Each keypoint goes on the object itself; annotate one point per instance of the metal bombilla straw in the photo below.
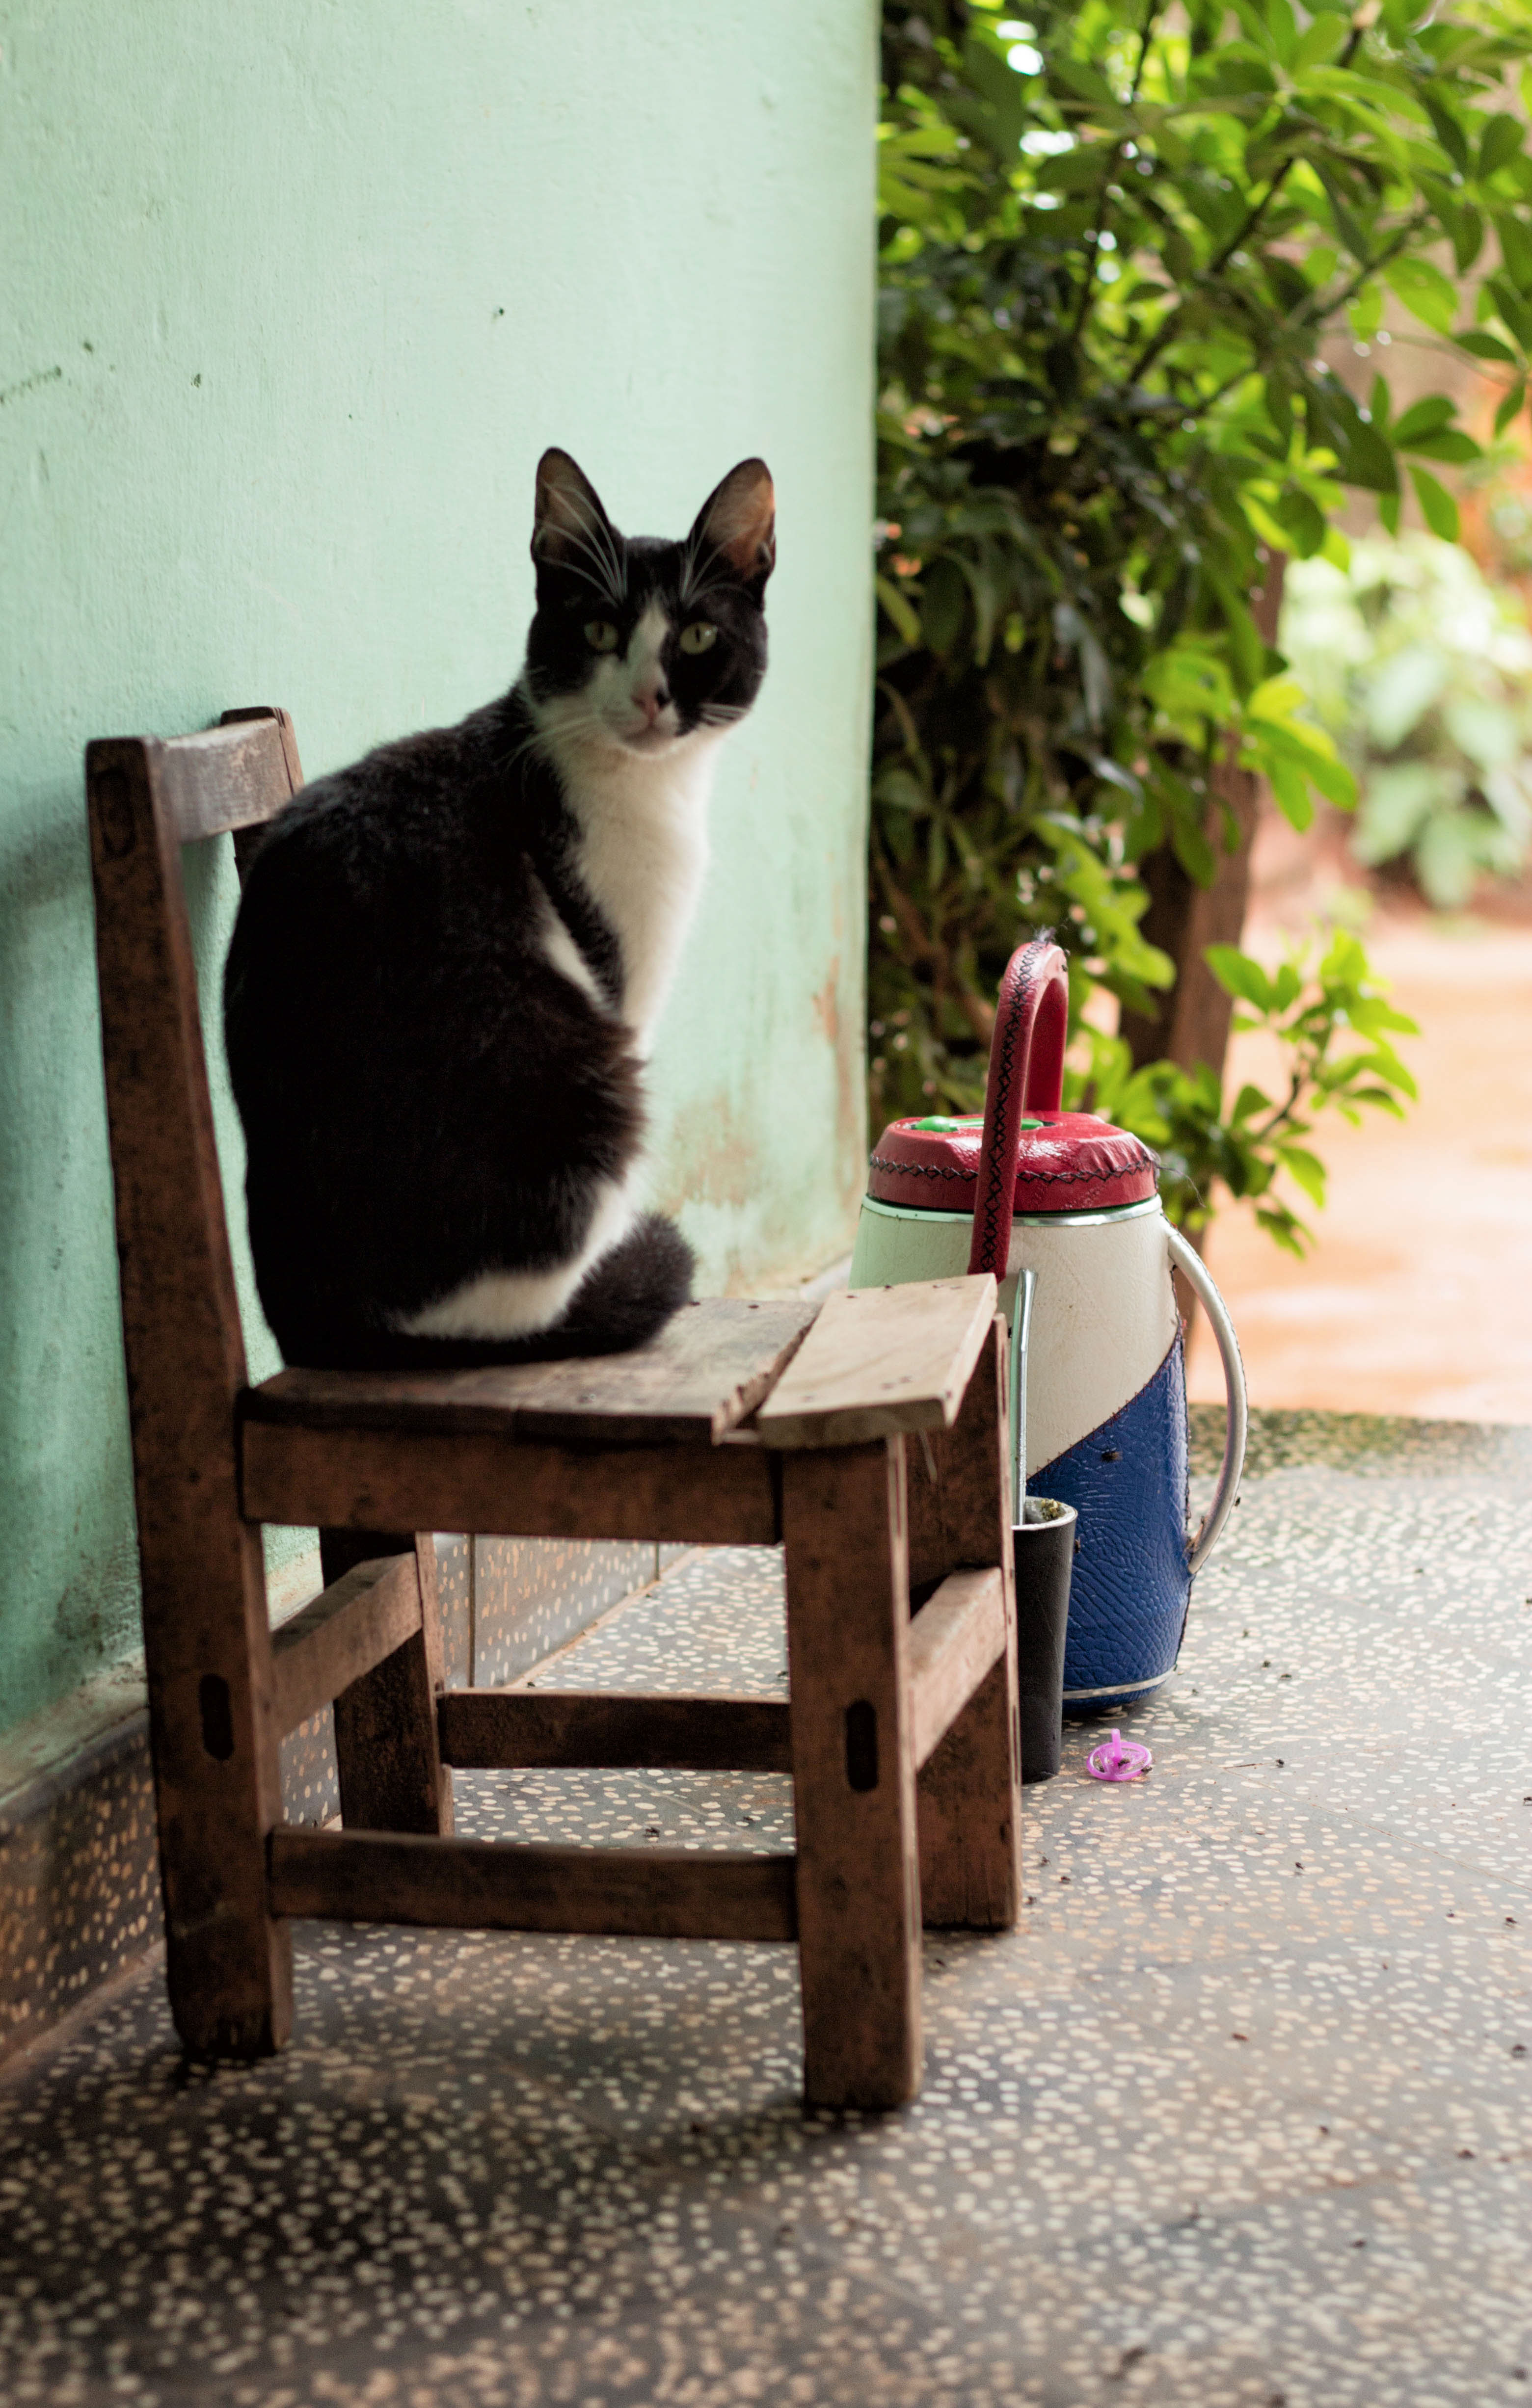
(1026, 1284)
(1026, 1076)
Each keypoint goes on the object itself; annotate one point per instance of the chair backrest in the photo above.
(180, 1318)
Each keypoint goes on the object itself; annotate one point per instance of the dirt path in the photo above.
(1417, 1297)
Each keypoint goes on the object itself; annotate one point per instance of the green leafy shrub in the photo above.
(1424, 673)
(1113, 238)
(1312, 1014)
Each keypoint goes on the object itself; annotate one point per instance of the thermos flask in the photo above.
(1073, 1199)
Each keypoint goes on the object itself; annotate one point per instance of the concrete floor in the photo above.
(1241, 2115)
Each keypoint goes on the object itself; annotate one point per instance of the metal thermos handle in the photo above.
(1225, 1496)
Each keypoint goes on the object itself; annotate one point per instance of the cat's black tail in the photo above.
(623, 1301)
(627, 1297)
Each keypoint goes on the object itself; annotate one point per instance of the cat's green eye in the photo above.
(699, 637)
(601, 636)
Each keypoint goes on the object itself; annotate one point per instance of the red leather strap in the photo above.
(1026, 1075)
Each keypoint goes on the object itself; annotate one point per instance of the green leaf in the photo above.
(897, 605)
(1291, 788)
(1300, 515)
(1511, 306)
(1451, 445)
(1498, 144)
(1319, 43)
(1426, 417)
(1085, 82)
(900, 790)
(942, 605)
(1371, 1015)
(1192, 849)
(1425, 292)
(1449, 133)
(1466, 225)
(1516, 250)
(1239, 974)
(1283, 1229)
(1307, 1168)
(1437, 507)
(1361, 451)
(1482, 346)
(1508, 405)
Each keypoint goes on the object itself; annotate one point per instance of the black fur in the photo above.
(425, 1097)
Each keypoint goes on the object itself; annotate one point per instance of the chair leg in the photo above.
(970, 1788)
(217, 1790)
(859, 1902)
(391, 1773)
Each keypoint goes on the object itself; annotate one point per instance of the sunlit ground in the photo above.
(1417, 1296)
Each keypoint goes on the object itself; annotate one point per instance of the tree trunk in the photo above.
(1192, 1023)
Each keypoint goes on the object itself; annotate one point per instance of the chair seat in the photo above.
(642, 1445)
(704, 1373)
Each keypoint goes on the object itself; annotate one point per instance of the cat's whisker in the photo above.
(689, 571)
(604, 578)
(595, 536)
(701, 593)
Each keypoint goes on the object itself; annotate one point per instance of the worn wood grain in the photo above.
(859, 1901)
(249, 838)
(347, 1630)
(388, 1759)
(954, 1638)
(970, 1785)
(952, 1503)
(228, 777)
(371, 1480)
(702, 1376)
(503, 1885)
(527, 1727)
(207, 1644)
(880, 1359)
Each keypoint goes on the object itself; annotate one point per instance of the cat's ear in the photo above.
(569, 527)
(738, 520)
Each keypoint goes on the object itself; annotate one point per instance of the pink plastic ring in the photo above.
(1118, 1760)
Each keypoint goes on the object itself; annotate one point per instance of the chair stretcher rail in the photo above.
(505, 1885)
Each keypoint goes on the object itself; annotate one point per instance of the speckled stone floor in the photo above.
(1241, 2115)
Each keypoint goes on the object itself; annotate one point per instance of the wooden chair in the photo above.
(746, 1424)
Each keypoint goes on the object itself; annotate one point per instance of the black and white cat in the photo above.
(451, 957)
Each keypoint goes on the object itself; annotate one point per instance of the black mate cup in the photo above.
(1044, 1558)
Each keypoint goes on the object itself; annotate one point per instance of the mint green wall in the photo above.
(291, 300)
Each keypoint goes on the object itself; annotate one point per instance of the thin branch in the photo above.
(1165, 333)
(1237, 240)
(1088, 288)
(1312, 315)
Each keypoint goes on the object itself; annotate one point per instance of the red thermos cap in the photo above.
(1065, 1162)
(1024, 1156)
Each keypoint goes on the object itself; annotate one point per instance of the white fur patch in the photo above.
(516, 1304)
(639, 794)
(564, 955)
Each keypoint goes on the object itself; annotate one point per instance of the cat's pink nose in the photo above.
(651, 700)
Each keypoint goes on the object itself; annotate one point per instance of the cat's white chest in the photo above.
(642, 856)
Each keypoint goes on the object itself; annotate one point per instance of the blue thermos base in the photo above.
(1127, 1606)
